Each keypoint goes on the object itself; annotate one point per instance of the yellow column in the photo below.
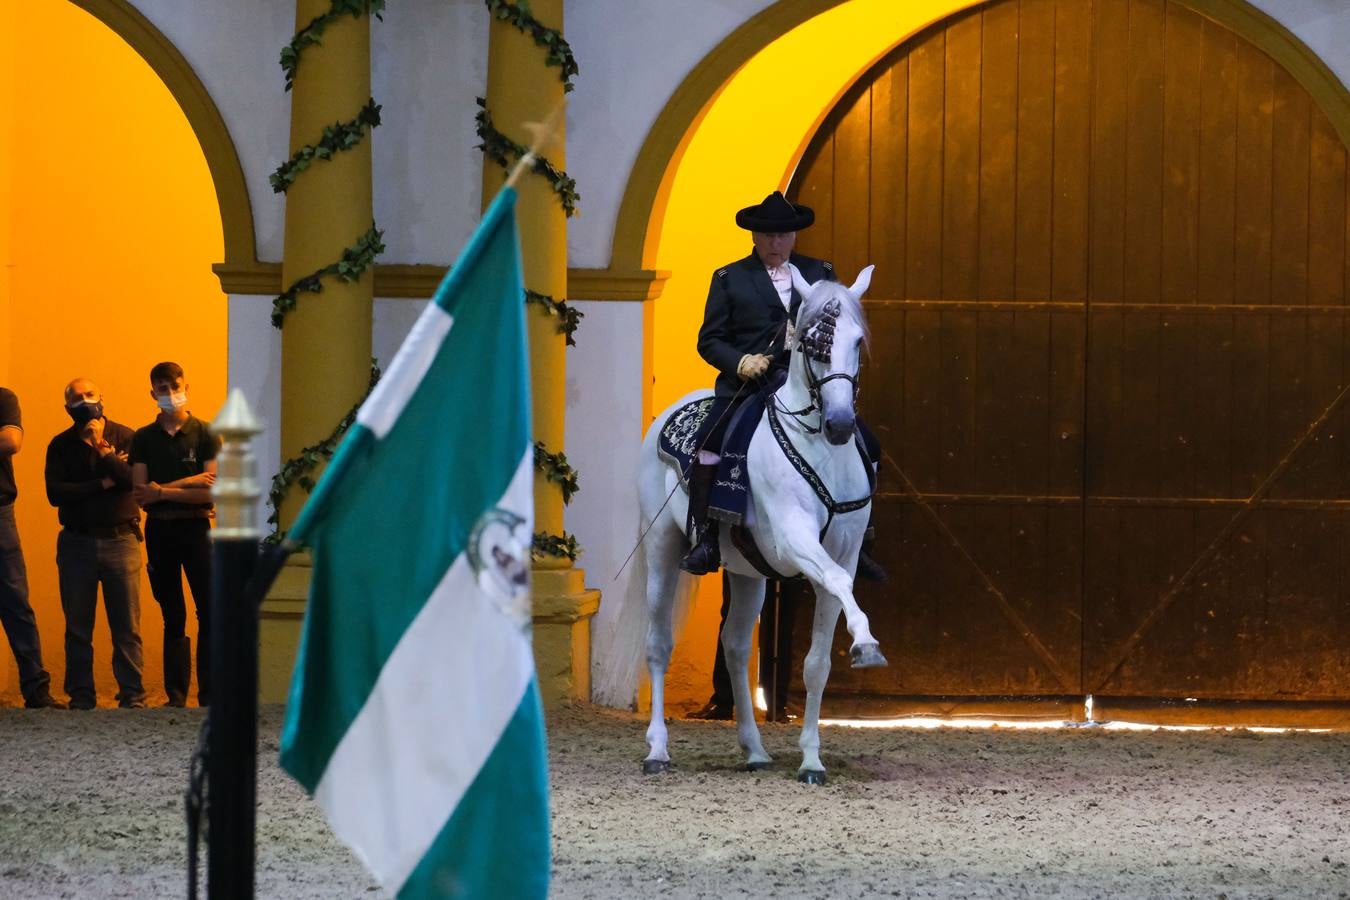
(325, 342)
(521, 89)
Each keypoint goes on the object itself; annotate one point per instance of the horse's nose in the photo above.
(838, 429)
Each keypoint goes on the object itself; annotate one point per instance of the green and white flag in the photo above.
(414, 716)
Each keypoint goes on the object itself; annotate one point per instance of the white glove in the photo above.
(752, 365)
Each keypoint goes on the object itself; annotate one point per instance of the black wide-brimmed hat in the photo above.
(775, 215)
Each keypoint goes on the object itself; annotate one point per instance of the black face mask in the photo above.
(85, 412)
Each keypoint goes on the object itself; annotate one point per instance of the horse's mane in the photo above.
(823, 292)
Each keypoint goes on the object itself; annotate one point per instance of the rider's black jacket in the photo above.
(745, 315)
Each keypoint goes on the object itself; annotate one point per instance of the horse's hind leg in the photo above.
(747, 597)
(663, 575)
(815, 672)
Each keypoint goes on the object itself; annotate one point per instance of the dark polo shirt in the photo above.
(169, 457)
(75, 473)
(9, 415)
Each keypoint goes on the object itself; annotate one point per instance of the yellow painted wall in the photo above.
(747, 144)
(8, 39)
(113, 227)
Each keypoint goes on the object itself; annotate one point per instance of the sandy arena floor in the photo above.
(90, 806)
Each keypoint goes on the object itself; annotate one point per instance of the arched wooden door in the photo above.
(1109, 340)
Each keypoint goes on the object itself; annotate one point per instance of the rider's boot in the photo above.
(868, 568)
(706, 554)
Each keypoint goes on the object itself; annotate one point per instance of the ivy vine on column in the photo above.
(299, 468)
(355, 260)
(505, 152)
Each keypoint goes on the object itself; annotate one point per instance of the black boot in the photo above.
(706, 555)
(868, 568)
(177, 670)
(713, 711)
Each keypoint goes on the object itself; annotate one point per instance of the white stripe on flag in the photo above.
(418, 351)
(439, 707)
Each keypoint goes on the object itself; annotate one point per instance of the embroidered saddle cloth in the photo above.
(683, 434)
(678, 441)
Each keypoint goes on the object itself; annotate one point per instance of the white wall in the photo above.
(234, 47)
(429, 61)
(253, 361)
(632, 55)
(393, 319)
(604, 429)
(1324, 25)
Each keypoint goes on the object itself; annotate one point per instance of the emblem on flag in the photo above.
(500, 561)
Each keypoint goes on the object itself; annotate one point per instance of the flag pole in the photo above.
(541, 135)
(233, 718)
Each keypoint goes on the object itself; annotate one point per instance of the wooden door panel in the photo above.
(1109, 309)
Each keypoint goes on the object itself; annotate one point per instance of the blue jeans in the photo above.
(84, 563)
(16, 615)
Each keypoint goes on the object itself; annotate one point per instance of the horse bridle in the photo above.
(817, 343)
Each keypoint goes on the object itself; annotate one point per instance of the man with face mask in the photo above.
(89, 482)
(173, 465)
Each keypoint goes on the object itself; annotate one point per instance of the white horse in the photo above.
(800, 528)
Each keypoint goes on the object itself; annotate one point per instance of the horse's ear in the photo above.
(864, 279)
(799, 283)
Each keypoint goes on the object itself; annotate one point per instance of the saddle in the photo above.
(686, 429)
(678, 442)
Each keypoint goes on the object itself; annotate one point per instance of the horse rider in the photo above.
(746, 336)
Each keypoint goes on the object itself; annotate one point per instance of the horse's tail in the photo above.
(620, 639)
(620, 630)
(619, 636)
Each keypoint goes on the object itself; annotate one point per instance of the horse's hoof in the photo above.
(811, 776)
(655, 766)
(758, 766)
(867, 656)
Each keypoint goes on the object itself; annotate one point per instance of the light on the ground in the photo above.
(930, 722)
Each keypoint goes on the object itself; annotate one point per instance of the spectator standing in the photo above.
(89, 482)
(173, 465)
(16, 614)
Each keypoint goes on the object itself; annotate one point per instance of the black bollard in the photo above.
(233, 741)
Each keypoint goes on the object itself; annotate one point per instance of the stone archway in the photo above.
(236, 212)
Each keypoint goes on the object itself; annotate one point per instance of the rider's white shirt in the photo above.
(781, 276)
